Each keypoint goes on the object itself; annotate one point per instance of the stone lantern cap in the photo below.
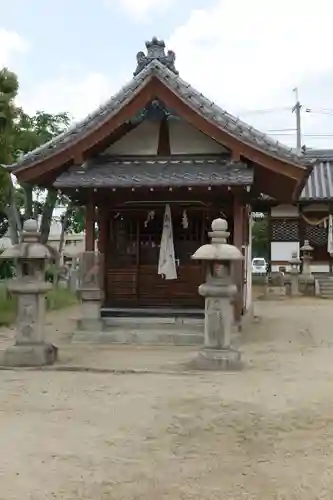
(306, 247)
(218, 249)
(30, 248)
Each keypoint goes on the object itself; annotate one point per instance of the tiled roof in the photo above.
(319, 154)
(203, 106)
(319, 186)
(155, 173)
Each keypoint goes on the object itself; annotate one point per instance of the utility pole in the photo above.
(297, 110)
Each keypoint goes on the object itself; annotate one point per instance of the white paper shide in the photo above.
(167, 261)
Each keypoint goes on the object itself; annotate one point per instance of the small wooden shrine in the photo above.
(154, 166)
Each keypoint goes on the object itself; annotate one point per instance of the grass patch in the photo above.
(57, 298)
(7, 307)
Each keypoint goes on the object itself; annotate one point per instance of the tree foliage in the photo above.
(76, 220)
(19, 134)
(8, 92)
(260, 239)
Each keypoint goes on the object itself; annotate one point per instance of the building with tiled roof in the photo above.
(160, 143)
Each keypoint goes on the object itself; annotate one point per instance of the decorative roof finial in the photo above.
(155, 50)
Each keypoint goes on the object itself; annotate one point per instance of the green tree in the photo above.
(8, 91)
(76, 219)
(260, 241)
(19, 134)
(31, 132)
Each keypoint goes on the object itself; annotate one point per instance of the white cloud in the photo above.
(11, 43)
(252, 49)
(247, 55)
(78, 95)
(243, 55)
(141, 10)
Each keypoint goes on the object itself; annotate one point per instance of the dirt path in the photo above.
(265, 433)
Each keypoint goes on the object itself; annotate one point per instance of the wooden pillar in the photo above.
(102, 229)
(330, 258)
(301, 232)
(269, 236)
(102, 246)
(238, 241)
(90, 224)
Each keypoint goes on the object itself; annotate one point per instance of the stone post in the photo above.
(218, 290)
(294, 262)
(90, 291)
(29, 288)
(306, 250)
(306, 278)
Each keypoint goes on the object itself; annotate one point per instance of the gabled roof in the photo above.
(153, 68)
(319, 186)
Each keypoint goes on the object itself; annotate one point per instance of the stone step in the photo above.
(153, 323)
(141, 337)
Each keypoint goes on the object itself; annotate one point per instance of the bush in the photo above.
(50, 273)
(7, 306)
(6, 268)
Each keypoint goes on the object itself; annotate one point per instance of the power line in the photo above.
(263, 111)
(314, 112)
(281, 130)
(304, 135)
(319, 110)
(323, 111)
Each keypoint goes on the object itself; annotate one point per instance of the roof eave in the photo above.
(301, 184)
(143, 79)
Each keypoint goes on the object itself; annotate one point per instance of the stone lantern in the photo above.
(29, 287)
(218, 291)
(306, 250)
(294, 271)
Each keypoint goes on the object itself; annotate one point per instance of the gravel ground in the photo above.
(263, 433)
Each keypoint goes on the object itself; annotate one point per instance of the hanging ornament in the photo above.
(150, 217)
(184, 220)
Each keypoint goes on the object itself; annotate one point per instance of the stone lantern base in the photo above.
(41, 354)
(217, 359)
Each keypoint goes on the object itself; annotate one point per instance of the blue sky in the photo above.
(70, 55)
(97, 35)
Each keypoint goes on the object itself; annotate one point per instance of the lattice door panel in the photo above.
(317, 235)
(284, 230)
(123, 247)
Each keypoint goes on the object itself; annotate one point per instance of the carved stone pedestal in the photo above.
(90, 310)
(90, 292)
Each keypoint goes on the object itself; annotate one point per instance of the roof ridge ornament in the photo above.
(155, 51)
